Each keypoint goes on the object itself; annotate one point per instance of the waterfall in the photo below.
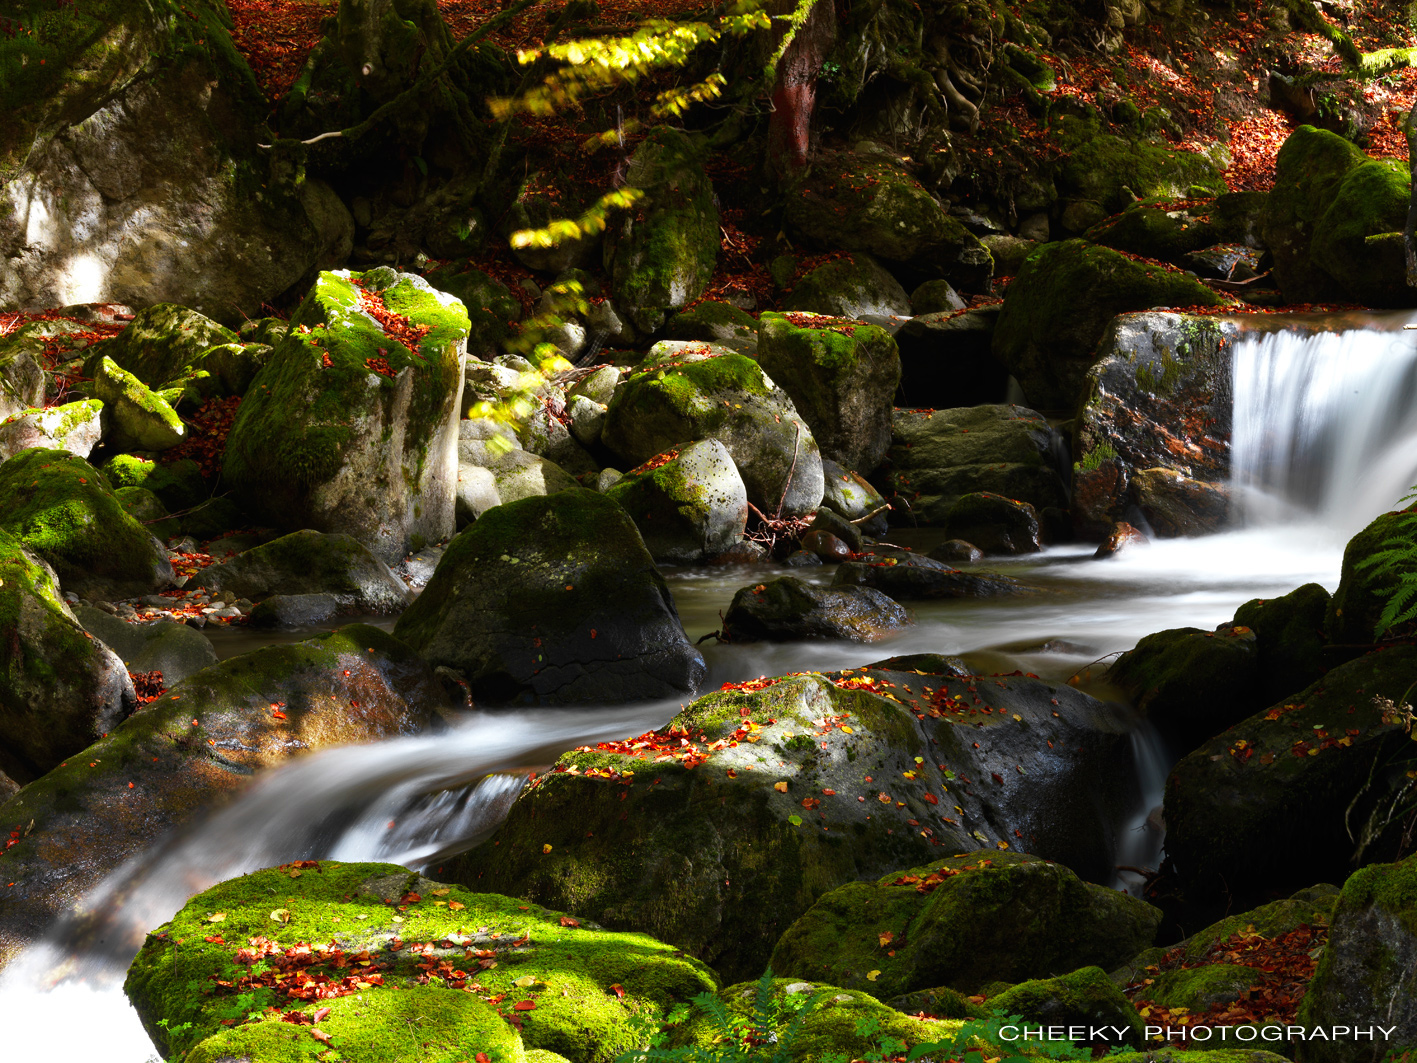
(1325, 423)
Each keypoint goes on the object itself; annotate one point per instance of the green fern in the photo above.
(1396, 566)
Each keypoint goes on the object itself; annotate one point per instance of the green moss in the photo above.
(1114, 170)
(1370, 203)
(1098, 456)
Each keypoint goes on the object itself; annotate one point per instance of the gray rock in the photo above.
(689, 507)
(849, 287)
(138, 418)
(75, 427)
(587, 419)
(489, 475)
(906, 576)
(993, 523)
(787, 608)
(598, 386)
(847, 494)
(175, 650)
(294, 610)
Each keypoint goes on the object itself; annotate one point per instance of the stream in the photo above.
(1325, 439)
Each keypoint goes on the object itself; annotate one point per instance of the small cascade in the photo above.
(1325, 423)
(1140, 841)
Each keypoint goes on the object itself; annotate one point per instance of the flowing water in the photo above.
(1325, 438)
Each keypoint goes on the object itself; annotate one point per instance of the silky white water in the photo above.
(1325, 438)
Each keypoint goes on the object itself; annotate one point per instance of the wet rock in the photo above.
(1157, 399)
(713, 321)
(60, 507)
(995, 524)
(88, 820)
(163, 340)
(347, 448)
(311, 562)
(849, 287)
(75, 427)
(175, 650)
(825, 545)
(1121, 538)
(1175, 505)
(936, 297)
(787, 608)
(802, 559)
(138, 419)
(1353, 615)
(1086, 997)
(702, 394)
(554, 599)
(980, 917)
(1224, 262)
(1253, 810)
(848, 495)
(61, 689)
(688, 503)
(947, 360)
(938, 455)
(955, 550)
(1058, 309)
(1289, 632)
(906, 576)
(294, 610)
(841, 376)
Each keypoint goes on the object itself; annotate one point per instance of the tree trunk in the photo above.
(1409, 231)
(794, 94)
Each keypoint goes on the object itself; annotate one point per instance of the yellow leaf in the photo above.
(456, 906)
(1018, 718)
(780, 787)
(871, 976)
(216, 917)
(280, 915)
(442, 892)
(526, 981)
(546, 848)
(848, 730)
(886, 937)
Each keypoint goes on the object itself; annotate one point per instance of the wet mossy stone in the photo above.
(1358, 240)
(718, 852)
(163, 340)
(713, 321)
(868, 203)
(1289, 631)
(138, 418)
(266, 331)
(59, 689)
(847, 494)
(147, 509)
(841, 376)
(1153, 230)
(1308, 172)
(689, 503)
(1058, 308)
(1176, 505)
(850, 286)
(829, 1026)
(907, 576)
(995, 524)
(1085, 997)
(1367, 973)
(75, 427)
(492, 309)
(311, 562)
(688, 395)
(357, 684)
(938, 455)
(660, 253)
(349, 430)
(554, 599)
(788, 608)
(62, 508)
(982, 916)
(1113, 170)
(175, 650)
(584, 985)
(1276, 801)
(179, 484)
(1193, 684)
(1358, 603)
(941, 1002)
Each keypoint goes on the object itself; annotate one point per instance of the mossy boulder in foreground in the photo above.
(200, 742)
(964, 922)
(554, 599)
(352, 425)
(396, 967)
(63, 509)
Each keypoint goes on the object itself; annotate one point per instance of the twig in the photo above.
(797, 439)
(878, 510)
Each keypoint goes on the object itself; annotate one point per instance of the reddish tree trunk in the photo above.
(794, 96)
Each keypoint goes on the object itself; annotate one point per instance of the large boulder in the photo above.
(1060, 304)
(311, 562)
(554, 599)
(200, 743)
(493, 469)
(163, 340)
(1156, 409)
(137, 418)
(697, 393)
(689, 503)
(1108, 171)
(868, 203)
(75, 427)
(788, 608)
(1353, 616)
(60, 690)
(62, 508)
(175, 650)
(572, 988)
(660, 253)
(1289, 631)
(22, 363)
(130, 171)
(718, 831)
(850, 286)
(1158, 230)
(995, 524)
(352, 424)
(1299, 792)
(712, 321)
(963, 922)
(1358, 240)
(938, 455)
(841, 376)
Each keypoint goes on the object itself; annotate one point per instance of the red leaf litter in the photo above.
(148, 685)
(206, 435)
(395, 325)
(655, 462)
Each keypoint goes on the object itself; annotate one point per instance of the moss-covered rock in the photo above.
(660, 254)
(395, 945)
(1113, 171)
(75, 427)
(59, 689)
(163, 340)
(841, 376)
(147, 509)
(1289, 631)
(1353, 612)
(689, 503)
(847, 494)
(791, 787)
(22, 363)
(907, 576)
(544, 198)
(936, 297)
(712, 321)
(995, 524)
(179, 484)
(869, 203)
(936, 456)
(61, 507)
(160, 768)
(1060, 304)
(1085, 997)
(175, 650)
(1366, 972)
(491, 307)
(1297, 792)
(554, 599)
(308, 562)
(1358, 239)
(691, 394)
(1152, 230)
(226, 369)
(349, 429)
(964, 921)
(139, 419)
(787, 608)
(1308, 171)
(850, 287)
